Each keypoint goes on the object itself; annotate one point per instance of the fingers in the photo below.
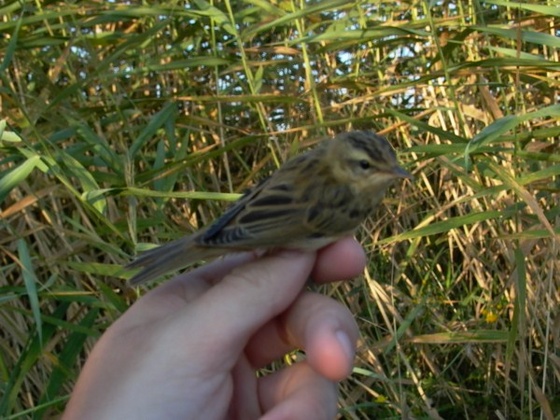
(247, 298)
(342, 260)
(189, 285)
(328, 334)
(253, 294)
(324, 328)
(320, 326)
(297, 392)
(171, 296)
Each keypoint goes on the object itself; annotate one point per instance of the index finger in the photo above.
(341, 260)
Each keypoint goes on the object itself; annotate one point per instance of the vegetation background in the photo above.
(132, 123)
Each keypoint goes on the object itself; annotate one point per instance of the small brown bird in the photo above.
(311, 201)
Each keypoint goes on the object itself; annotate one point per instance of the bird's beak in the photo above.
(399, 172)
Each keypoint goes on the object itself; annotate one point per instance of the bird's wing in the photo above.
(279, 214)
(267, 216)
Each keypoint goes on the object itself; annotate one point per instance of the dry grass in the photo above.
(138, 123)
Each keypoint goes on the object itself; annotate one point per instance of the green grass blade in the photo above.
(30, 281)
(14, 177)
(156, 122)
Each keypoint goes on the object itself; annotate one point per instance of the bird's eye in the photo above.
(364, 164)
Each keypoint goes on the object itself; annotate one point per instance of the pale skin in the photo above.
(189, 349)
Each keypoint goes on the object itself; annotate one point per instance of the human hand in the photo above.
(189, 348)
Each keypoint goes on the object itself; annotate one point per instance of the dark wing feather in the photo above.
(262, 218)
(229, 215)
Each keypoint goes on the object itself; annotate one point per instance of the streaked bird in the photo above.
(311, 201)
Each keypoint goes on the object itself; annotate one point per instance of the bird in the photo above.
(312, 200)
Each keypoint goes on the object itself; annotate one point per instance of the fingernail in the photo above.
(346, 344)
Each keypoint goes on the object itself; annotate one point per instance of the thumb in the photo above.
(229, 313)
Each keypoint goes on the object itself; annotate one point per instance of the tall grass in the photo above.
(125, 124)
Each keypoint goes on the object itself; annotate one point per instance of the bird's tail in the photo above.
(168, 257)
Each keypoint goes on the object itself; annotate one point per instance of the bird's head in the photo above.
(364, 160)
